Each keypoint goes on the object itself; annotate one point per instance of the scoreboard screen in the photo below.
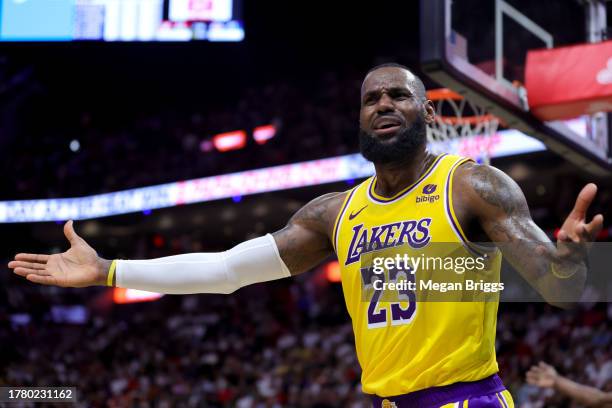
(121, 20)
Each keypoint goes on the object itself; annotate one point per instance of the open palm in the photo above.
(78, 267)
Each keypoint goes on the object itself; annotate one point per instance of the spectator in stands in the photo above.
(545, 376)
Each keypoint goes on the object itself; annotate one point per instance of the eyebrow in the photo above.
(394, 90)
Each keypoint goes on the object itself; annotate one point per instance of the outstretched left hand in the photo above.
(575, 228)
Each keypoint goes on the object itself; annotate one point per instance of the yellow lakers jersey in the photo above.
(408, 345)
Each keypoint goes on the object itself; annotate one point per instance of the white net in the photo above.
(461, 127)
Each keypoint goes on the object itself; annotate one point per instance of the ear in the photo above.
(429, 112)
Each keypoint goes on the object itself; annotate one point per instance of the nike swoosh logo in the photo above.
(353, 215)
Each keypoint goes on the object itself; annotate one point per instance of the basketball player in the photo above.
(422, 355)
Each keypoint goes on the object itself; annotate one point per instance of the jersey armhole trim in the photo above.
(478, 250)
(345, 205)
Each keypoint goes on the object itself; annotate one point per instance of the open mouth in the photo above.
(386, 125)
(387, 130)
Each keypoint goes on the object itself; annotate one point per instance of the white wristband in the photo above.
(256, 260)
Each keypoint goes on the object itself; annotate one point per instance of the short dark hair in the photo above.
(418, 83)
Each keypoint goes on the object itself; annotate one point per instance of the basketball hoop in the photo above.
(461, 127)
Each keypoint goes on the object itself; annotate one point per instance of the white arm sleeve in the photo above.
(256, 260)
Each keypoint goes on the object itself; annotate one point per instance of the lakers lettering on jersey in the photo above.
(406, 345)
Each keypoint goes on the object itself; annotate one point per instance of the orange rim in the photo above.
(471, 120)
(443, 93)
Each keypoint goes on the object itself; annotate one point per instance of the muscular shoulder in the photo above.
(306, 240)
(482, 190)
(320, 213)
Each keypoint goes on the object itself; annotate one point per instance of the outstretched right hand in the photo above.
(78, 267)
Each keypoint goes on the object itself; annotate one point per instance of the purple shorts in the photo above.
(486, 393)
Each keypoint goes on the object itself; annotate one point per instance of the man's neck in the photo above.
(391, 178)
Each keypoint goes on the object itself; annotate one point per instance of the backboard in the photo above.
(478, 48)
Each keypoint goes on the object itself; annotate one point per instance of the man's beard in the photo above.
(408, 142)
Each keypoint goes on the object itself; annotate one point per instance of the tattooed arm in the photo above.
(495, 202)
(307, 238)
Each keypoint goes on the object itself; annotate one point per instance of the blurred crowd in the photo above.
(114, 147)
(286, 343)
(577, 343)
(267, 346)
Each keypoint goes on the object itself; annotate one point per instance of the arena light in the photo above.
(225, 142)
(296, 175)
(262, 134)
(122, 296)
(332, 271)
